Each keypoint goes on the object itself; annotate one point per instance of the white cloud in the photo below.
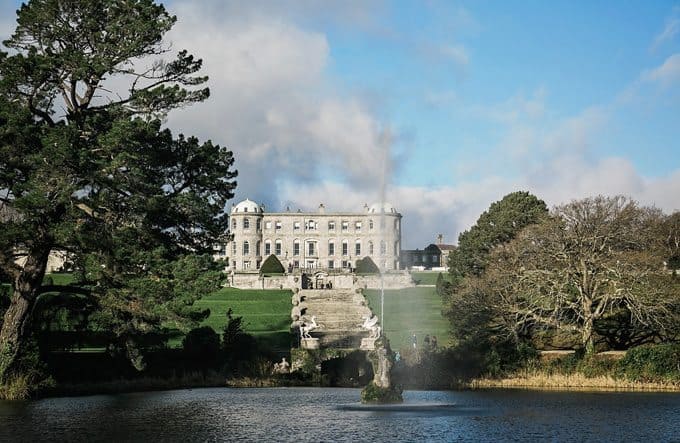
(456, 53)
(273, 104)
(666, 74)
(670, 30)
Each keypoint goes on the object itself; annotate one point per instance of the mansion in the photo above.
(312, 240)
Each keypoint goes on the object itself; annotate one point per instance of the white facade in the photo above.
(312, 240)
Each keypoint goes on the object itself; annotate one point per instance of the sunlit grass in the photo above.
(411, 310)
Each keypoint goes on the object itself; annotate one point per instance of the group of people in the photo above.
(429, 343)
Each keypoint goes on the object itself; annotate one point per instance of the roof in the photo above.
(247, 206)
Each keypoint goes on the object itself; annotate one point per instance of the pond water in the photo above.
(328, 414)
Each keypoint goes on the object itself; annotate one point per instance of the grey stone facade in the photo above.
(312, 240)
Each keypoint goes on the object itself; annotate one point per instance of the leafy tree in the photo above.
(272, 265)
(88, 169)
(591, 258)
(499, 224)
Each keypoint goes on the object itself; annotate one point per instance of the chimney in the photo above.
(322, 208)
(440, 239)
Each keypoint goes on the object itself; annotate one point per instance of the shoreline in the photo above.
(571, 382)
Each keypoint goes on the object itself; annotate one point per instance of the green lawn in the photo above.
(411, 310)
(427, 277)
(266, 314)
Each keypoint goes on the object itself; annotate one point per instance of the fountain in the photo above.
(381, 390)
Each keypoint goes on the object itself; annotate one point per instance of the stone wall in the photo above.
(392, 280)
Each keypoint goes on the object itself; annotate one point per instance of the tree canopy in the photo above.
(499, 224)
(590, 259)
(88, 167)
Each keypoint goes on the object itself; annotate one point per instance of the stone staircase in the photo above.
(339, 313)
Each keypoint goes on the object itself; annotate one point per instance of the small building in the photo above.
(433, 256)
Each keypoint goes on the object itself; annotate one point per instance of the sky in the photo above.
(439, 107)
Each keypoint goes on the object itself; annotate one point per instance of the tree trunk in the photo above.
(16, 327)
(587, 336)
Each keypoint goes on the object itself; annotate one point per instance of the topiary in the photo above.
(367, 266)
(272, 265)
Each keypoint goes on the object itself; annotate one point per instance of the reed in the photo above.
(541, 380)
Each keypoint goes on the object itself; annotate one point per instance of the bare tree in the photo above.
(589, 258)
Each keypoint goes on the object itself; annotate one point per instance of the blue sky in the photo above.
(451, 104)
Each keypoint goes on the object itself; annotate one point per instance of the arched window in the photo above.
(331, 247)
(383, 247)
(296, 247)
(258, 224)
(345, 247)
(277, 247)
(246, 223)
(246, 248)
(267, 248)
(357, 248)
(370, 248)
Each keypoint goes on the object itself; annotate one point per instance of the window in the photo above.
(370, 248)
(246, 248)
(345, 226)
(267, 248)
(331, 248)
(345, 264)
(258, 248)
(233, 223)
(245, 209)
(357, 248)
(258, 224)
(296, 263)
(277, 247)
(310, 225)
(331, 264)
(233, 248)
(357, 226)
(246, 264)
(233, 264)
(277, 225)
(370, 224)
(310, 248)
(434, 259)
(258, 264)
(246, 223)
(268, 225)
(344, 247)
(296, 247)
(331, 226)
(296, 226)
(383, 247)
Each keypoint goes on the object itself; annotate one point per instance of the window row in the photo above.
(310, 225)
(311, 248)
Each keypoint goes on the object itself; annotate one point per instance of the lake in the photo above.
(334, 414)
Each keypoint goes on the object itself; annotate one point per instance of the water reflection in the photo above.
(311, 414)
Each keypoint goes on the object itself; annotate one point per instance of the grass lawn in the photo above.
(411, 310)
(427, 277)
(266, 314)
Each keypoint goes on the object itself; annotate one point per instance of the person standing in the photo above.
(414, 340)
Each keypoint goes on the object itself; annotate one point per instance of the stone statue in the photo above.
(371, 323)
(282, 368)
(307, 327)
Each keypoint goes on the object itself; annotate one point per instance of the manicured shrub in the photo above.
(367, 266)
(272, 265)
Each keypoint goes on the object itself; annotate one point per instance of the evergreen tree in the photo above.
(499, 224)
(88, 168)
